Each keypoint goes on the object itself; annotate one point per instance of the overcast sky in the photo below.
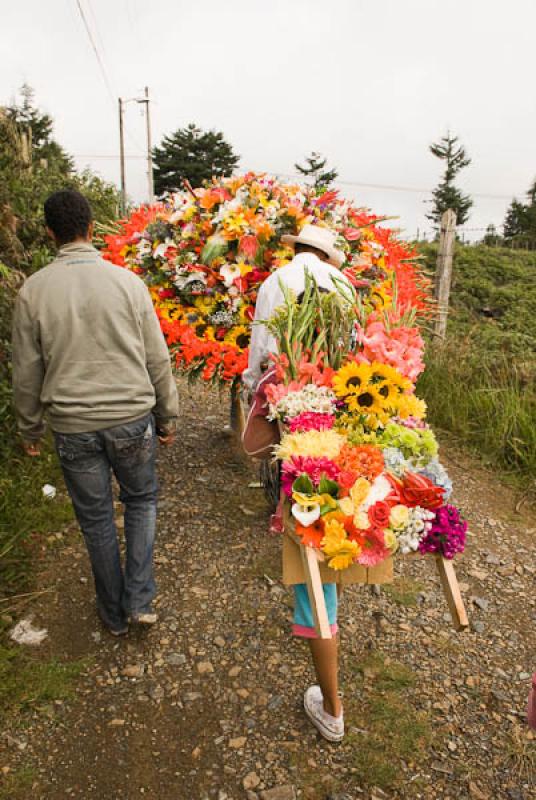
(368, 84)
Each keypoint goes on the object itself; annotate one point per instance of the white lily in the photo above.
(378, 491)
(305, 515)
(161, 249)
(229, 272)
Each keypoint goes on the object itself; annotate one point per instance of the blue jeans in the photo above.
(87, 461)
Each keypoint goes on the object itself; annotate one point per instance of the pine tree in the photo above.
(315, 169)
(520, 221)
(446, 195)
(192, 154)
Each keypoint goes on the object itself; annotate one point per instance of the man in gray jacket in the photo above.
(89, 355)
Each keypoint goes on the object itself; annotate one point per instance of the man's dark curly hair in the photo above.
(68, 215)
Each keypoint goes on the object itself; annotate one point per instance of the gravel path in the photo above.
(208, 704)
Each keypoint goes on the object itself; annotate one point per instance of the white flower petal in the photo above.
(305, 516)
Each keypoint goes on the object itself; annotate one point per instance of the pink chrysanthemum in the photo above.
(310, 421)
(315, 468)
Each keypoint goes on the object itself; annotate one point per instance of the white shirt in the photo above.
(270, 297)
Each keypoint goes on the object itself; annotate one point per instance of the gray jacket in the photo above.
(87, 348)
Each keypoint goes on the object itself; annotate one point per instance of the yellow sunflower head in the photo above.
(203, 330)
(380, 298)
(350, 379)
(388, 381)
(367, 401)
(205, 304)
(239, 336)
(245, 313)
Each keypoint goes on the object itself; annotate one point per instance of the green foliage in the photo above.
(315, 168)
(193, 154)
(28, 683)
(32, 166)
(319, 323)
(481, 384)
(17, 785)
(404, 591)
(394, 732)
(446, 195)
(520, 222)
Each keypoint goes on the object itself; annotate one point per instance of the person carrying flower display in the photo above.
(360, 480)
(317, 256)
(89, 354)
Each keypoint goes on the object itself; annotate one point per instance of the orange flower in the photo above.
(364, 460)
(311, 535)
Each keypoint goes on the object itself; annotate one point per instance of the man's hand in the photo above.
(166, 436)
(32, 449)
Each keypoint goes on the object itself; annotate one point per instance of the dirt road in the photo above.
(208, 704)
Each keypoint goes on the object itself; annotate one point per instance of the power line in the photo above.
(100, 62)
(393, 187)
(97, 54)
(111, 157)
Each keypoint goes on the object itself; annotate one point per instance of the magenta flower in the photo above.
(447, 533)
(315, 468)
(311, 421)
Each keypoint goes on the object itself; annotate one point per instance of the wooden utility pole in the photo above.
(149, 148)
(444, 270)
(122, 159)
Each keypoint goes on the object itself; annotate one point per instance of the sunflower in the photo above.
(239, 336)
(351, 379)
(366, 400)
(388, 381)
(204, 331)
(205, 304)
(245, 313)
(380, 298)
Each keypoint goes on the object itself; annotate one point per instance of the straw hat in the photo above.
(322, 238)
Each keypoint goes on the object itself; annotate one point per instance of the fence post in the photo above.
(444, 270)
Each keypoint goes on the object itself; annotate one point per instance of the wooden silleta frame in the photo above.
(447, 575)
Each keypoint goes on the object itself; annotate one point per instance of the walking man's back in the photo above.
(89, 355)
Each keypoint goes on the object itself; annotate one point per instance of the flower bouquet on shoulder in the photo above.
(359, 465)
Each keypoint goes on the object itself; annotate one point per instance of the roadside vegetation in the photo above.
(481, 384)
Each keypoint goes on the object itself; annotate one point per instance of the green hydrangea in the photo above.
(418, 445)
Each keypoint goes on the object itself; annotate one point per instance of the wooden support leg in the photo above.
(238, 416)
(451, 590)
(315, 592)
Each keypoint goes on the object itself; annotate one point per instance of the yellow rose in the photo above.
(361, 520)
(347, 507)
(399, 517)
(359, 491)
(391, 542)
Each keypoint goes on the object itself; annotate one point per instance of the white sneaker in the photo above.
(146, 618)
(331, 728)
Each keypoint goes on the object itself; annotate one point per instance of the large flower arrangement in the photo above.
(205, 252)
(359, 462)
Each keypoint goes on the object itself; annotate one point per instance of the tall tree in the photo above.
(315, 169)
(520, 221)
(32, 165)
(193, 154)
(447, 195)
